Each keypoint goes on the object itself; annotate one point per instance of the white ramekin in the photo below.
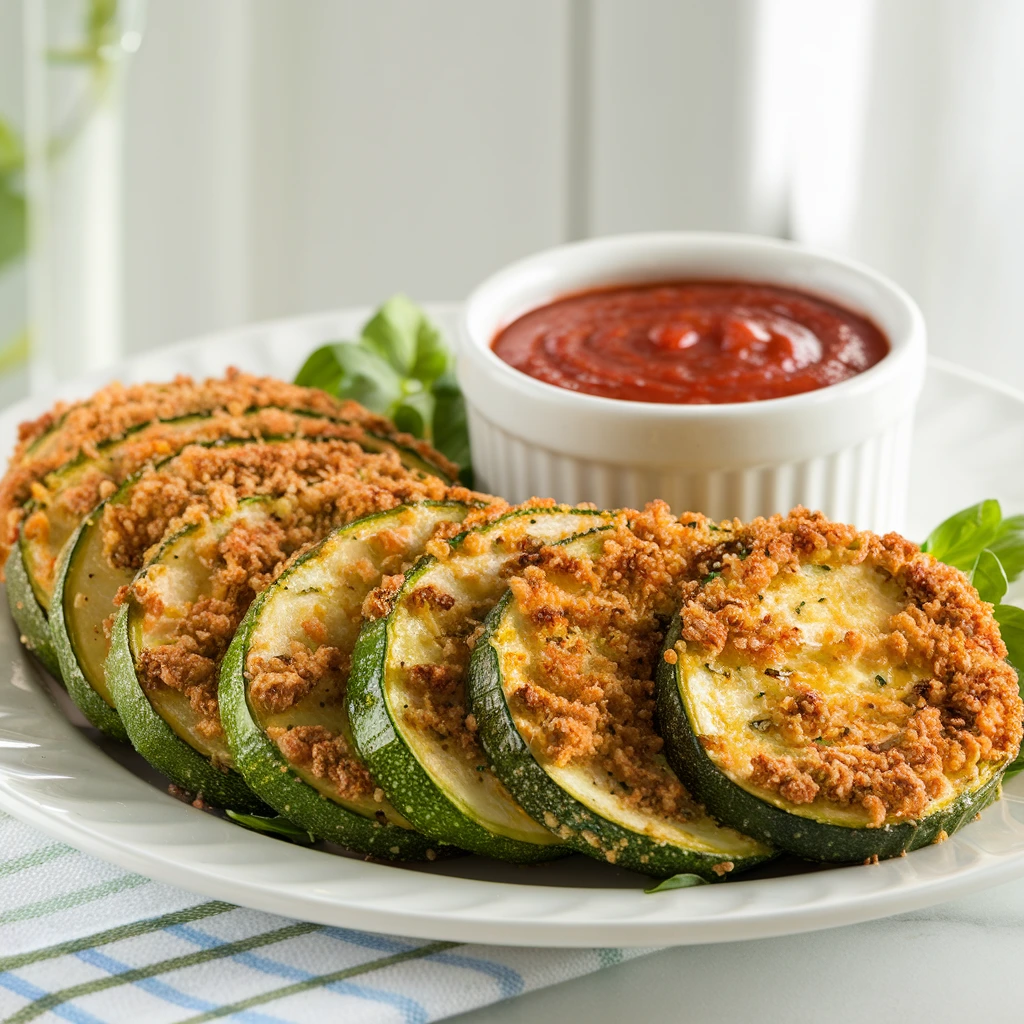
(844, 449)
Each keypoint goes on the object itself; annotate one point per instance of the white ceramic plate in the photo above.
(57, 775)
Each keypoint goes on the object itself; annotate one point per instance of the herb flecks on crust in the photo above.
(932, 696)
(597, 626)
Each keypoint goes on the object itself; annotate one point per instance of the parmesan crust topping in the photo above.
(932, 702)
(321, 485)
(595, 626)
(69, 430)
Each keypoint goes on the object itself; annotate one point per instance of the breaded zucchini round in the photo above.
(407, 691)
(835, 693)
(561, 687)
(327, 481)
(283, 682)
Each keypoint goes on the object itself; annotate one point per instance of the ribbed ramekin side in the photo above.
(864, 484)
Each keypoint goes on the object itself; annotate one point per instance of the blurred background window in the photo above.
(193, 165)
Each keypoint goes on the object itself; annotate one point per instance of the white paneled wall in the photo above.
(289, 155)
(295, 156)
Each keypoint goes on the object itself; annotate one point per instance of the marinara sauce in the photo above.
(692, 342)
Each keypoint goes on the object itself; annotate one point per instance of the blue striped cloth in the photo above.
(86, 942)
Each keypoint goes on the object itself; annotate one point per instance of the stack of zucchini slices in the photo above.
(287, 607)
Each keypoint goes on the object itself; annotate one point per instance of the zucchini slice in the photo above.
(406, 693)
(837, 694)
(283, 683)
(66, 495)
(28, 615)
(87, 581)
(584, 800)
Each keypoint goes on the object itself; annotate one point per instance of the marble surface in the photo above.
(962, 960)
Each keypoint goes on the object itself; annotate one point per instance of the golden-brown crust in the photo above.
(325, 755)
(279, 683)
(115, 409)
(324, 484)
(965, 711)
(588, 696)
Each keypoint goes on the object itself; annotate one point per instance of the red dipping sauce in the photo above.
(692, 342)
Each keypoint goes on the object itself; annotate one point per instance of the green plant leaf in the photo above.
(320, 370)
(451, 430)
(415, 413)
(277, 826)
(12, 155)
(433, 358)
(683, 881)
(393, 332)
(401, 367)
(989, 577)
(1011, 628)
(12, 223)
(962, 537)
(349, 370)
(14, 353)
(1008, 546)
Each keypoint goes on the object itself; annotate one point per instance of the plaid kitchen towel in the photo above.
(85, 942)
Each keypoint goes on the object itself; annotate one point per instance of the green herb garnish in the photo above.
(881, 680)
(277, 826)
(710, 576)
(990, 549)
(684, 881)
(400, 367)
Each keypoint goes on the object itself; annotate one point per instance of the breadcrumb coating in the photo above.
(326, 756)
(965, 710)
(596, 626)
(436, 690)
(326, 483)
(203, 481)
(62, 500)
(69, 429)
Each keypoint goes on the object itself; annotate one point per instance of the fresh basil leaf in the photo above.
(962, 537)
(401, 367)
(12, 156)
(277, 826)
(1008, 546)
(1011, 629)
(393, 333)
(321, 370)
(989, 577)
(451, 430)
(348, 370)
(684, 881)
(433, 357)
(415, 413)
(12, 223)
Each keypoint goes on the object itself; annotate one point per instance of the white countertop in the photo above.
(962, 960)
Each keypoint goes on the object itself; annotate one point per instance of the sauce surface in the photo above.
(691, 342)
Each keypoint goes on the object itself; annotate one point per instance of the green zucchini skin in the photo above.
(379, 742)
(32, 618)
(398, 771)
(806, 837)
(29, 617)
(576, 824)
(154, 739)
(268, 773)
(88, 701)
